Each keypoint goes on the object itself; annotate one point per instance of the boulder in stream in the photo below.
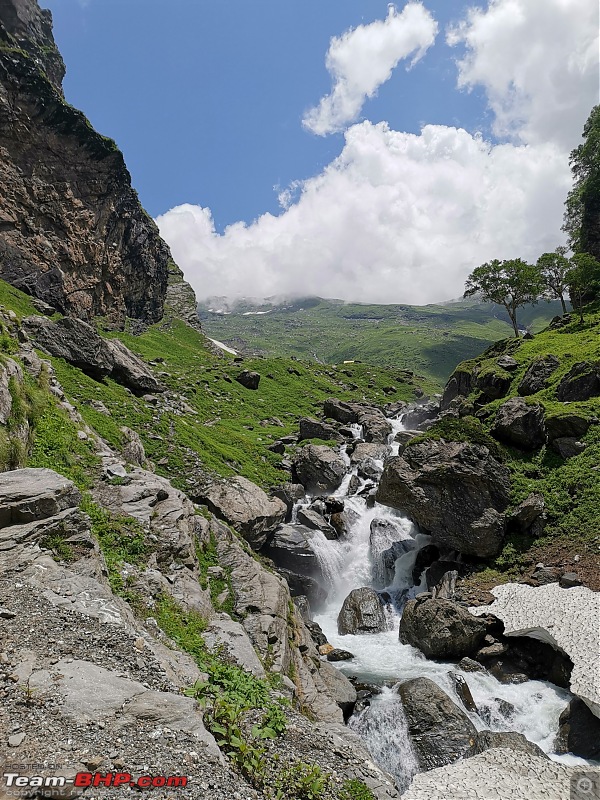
(362, 612)
(439, 731)
(319, 468)
(440, 628)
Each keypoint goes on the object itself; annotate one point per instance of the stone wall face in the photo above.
(72, 230)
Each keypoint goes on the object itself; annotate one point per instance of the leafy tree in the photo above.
(511, 284)
(554, 268)
(584, 280)
(582, 214)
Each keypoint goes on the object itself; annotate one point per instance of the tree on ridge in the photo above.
(512, 284)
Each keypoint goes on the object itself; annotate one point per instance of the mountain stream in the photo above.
(381, 659)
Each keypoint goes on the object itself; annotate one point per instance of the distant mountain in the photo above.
(427, 339)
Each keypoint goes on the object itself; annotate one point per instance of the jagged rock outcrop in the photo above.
(72, 230)
(460, 384)
(245, 506)
(440, 628)
(581, 382)
(578, 731)
(520, 424)
(454, 490)
(278, 633)
(537, 375)
(81, 345)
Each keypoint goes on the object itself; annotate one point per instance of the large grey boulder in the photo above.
(440, 628)
(314, 429)
(567, 447)
(520, 424)
(27, 495)
(248, 379)
(245, 506)
(341, 411)
(289, 548)
(581, 382)
(362, 612)
(81, 345)
(559, 426)
(130, 370)
(312, 519)
(537, 374)
(376, 427)
(319, 468)
(530, 515)
(367, 457)
(439, 731)
(455, 491)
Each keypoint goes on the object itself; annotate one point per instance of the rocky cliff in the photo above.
(72, 231)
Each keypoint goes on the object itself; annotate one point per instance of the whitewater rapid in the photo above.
(381, 659)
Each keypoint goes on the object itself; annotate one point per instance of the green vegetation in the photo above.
(429, 340)
(223, 428)
(218, 584)
(583, 202)
(121, 540)
(571, 487)
(57, 446)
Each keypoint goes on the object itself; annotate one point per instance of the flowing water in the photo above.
(349, 563)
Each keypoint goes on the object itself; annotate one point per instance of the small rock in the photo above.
(570, 579)
(5, 613)
(337, 654)
(16, 740)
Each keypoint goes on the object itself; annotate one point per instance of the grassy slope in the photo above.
(221, 433)
(571, 488)
(429, 339)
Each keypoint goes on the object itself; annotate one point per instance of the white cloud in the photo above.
(538, 62)
(362, 59)
(399, 217)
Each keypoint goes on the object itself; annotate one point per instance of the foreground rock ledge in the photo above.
(567, 619)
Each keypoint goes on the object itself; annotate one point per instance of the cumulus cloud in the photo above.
(396, 217)
(362, 59)
(400, 217)
(538, 62)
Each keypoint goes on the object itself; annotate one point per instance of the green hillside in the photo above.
(207, 422)
(428, 339)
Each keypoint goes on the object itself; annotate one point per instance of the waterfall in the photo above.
(353, 561)
(383, 728)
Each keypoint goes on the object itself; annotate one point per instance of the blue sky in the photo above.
(206, 99)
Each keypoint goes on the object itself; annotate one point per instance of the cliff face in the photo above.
(72, 231)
